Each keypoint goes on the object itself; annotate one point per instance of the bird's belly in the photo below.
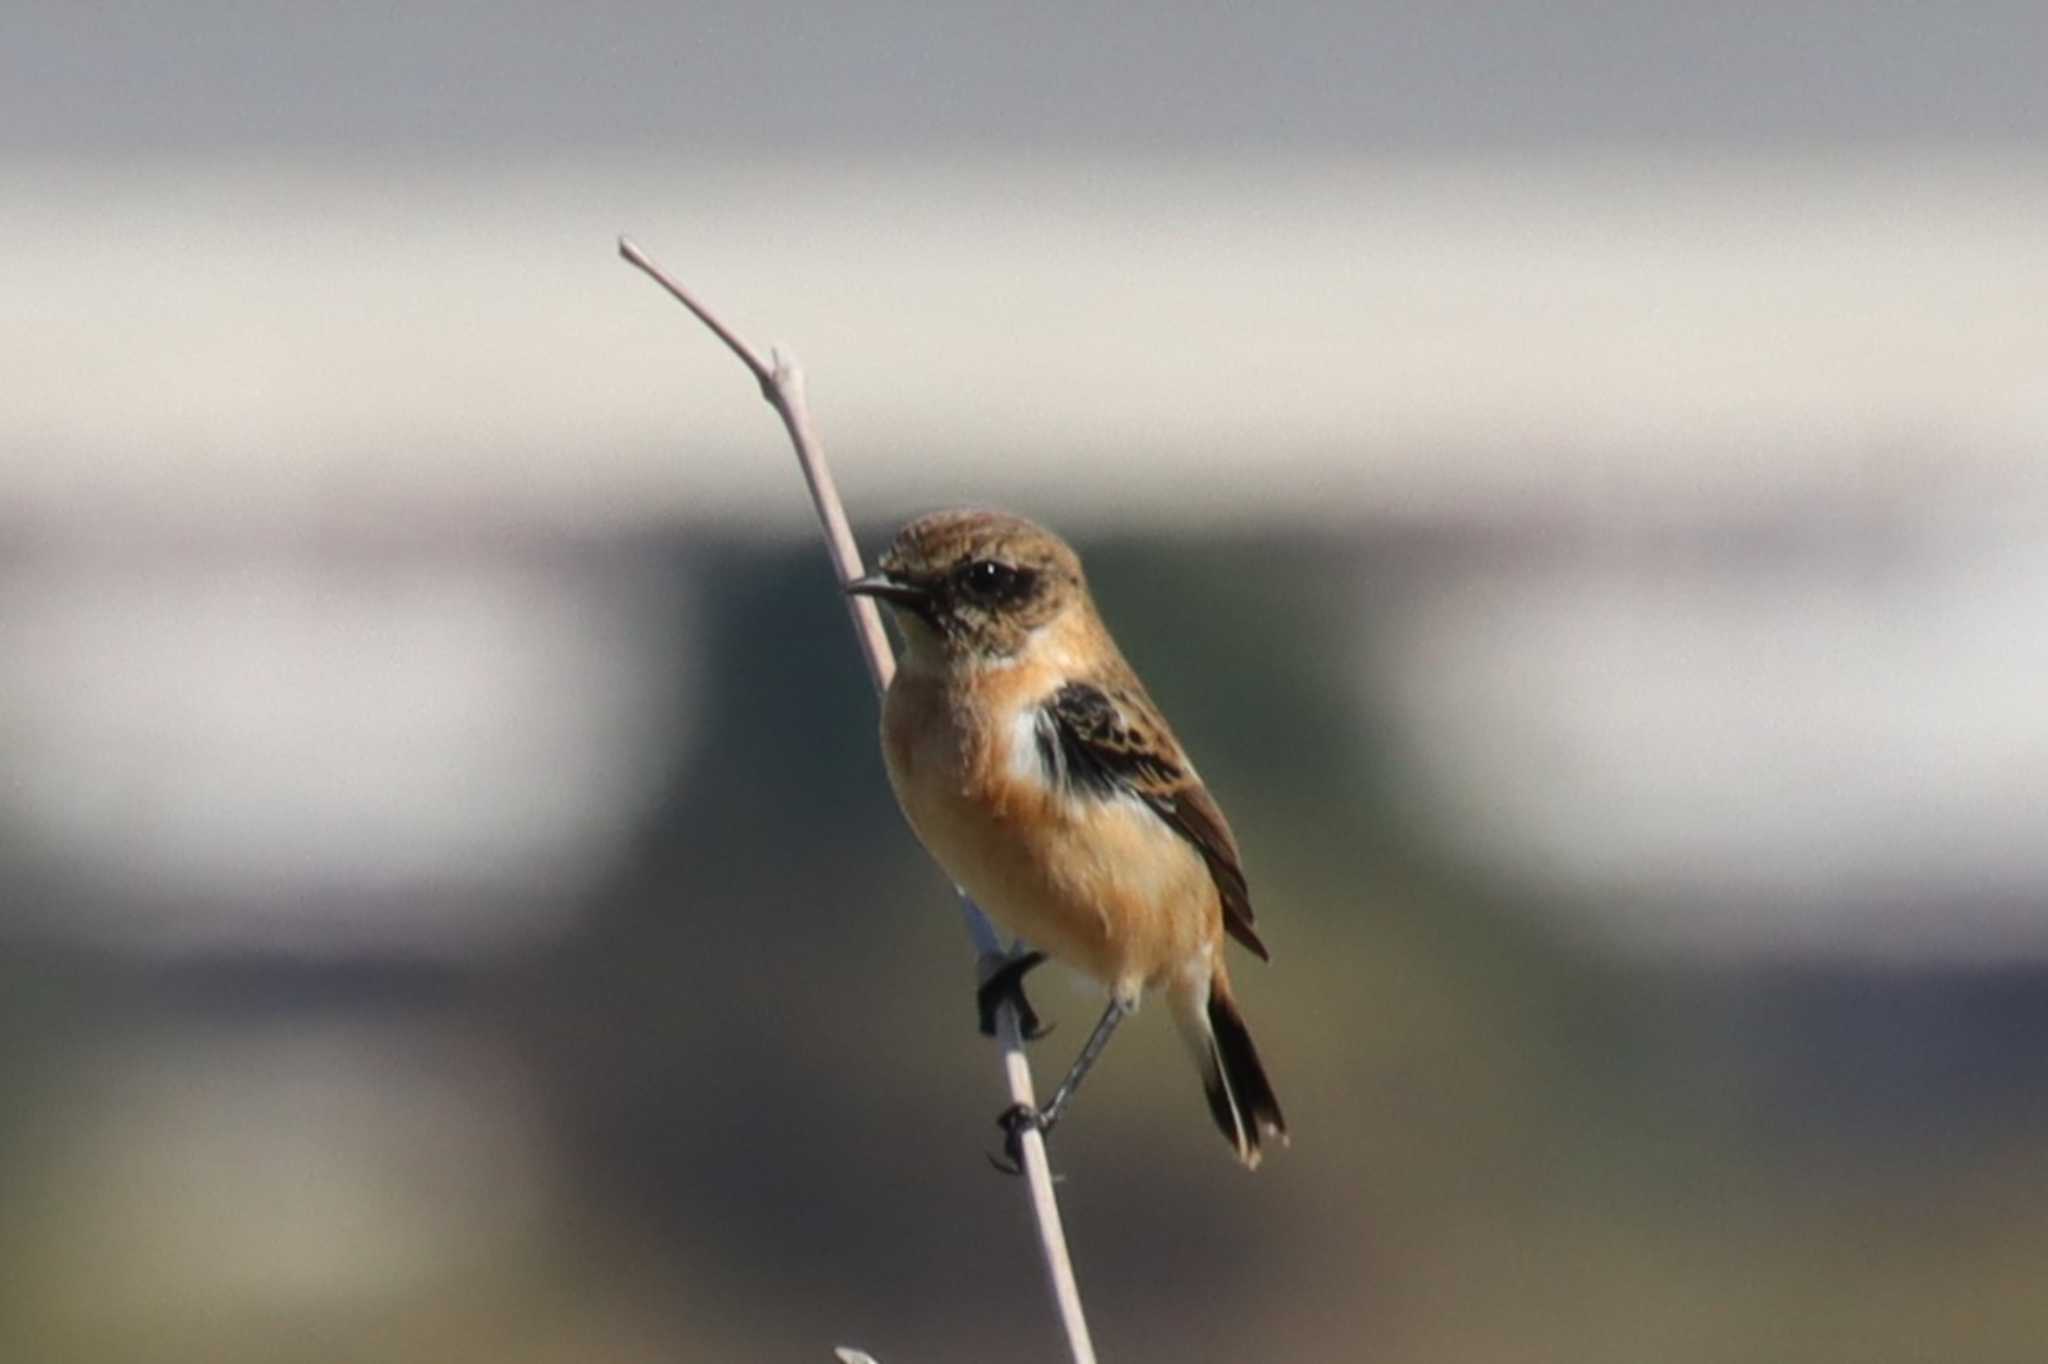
(1103, 885)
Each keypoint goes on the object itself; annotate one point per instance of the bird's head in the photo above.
(975, 585)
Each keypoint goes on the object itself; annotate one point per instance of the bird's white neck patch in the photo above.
(1026, 758)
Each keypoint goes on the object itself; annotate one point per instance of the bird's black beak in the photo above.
(882, 587)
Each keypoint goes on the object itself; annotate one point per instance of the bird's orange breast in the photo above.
(1102, 884)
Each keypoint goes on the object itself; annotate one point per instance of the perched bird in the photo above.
(1032, 765)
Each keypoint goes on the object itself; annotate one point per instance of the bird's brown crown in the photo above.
(981, 580)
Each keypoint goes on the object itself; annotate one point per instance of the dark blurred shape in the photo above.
(1290, 77)
(732, 1103)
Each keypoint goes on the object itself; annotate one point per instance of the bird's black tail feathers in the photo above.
(1240, 1097)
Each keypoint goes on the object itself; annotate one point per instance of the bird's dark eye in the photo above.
(991, 581)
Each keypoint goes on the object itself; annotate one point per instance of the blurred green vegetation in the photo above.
(751, 1085)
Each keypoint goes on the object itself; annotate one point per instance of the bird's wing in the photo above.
(1107, 740)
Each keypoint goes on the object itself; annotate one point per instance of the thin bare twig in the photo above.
(782, 386)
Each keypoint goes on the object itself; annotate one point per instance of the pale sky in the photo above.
(1289, 258)
(1238, 338)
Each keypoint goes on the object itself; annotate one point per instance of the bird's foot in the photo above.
(1015, 1121)
(1006, 984)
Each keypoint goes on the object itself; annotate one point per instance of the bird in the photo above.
(1032, 764)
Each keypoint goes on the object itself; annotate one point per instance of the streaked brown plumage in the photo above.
(1032, 764)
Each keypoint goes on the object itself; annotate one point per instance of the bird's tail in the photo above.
(1240, 1097)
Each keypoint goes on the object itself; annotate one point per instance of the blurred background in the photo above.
(1573, 474)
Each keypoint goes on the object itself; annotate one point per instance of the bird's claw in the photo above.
(1015, 1121)
(1006, 983)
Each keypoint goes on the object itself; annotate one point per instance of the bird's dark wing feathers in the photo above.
(1105, 743)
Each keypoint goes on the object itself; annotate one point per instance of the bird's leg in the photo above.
(1091, 1051)
(1015, 1119)
(1005, 982)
